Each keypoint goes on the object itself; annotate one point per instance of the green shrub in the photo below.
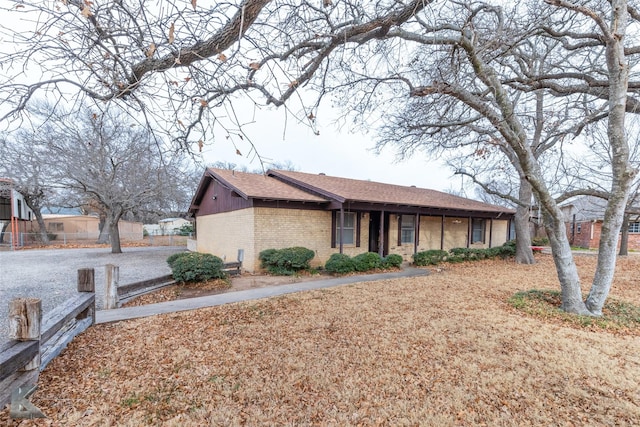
(433, 257)
(172, 258)
(339, 264)
(467, 254)
(367, 261)
(507, 250)
(267, 257)
(430, 257)
(392, 260)
(196, 267)
(286, 261)
(540, 241)
(185, 230)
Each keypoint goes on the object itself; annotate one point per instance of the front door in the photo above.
(375, 219)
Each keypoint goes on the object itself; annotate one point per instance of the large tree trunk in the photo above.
(42, 227)
(115, 239)
(114, 233)
(622, 172)
(624, 237)
(103, 237)
(524, 253)
(565, 265)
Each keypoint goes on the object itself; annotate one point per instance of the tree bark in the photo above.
(565, 266)
(114, 233)
(623, 174)
(524, 253)
(103, 237)
(624, 237)
(42, 227)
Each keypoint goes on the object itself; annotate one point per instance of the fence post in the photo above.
(112, 275)
(25, 320)
(87, 283)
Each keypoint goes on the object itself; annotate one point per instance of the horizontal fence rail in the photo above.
(32, 346)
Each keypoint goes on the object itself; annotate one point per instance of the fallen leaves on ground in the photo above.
(442, 350)
(180, 291)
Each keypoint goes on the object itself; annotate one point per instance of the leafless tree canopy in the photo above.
(175, 61)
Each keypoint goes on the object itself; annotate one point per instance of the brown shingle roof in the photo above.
(258, 186)
(345, 189)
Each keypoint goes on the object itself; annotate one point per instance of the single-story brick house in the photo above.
(254, 212)
(583, 218)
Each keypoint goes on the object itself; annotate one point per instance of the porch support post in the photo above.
(381, 234)
(469, 232)
(442, 234)
(416, 230)
(490, 232)
(341, 227)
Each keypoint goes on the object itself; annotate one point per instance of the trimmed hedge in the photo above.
(430, 257)
(340, 264)
(392, 260)
(195, 267)
(343, 264)
(433, 257)
(172, 258)
(286, 261)
(367, 261)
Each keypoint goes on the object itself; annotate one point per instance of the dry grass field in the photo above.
(441, 350)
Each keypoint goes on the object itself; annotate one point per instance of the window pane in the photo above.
(349, 220)
(348, 229)
(407, 231)
(477, 231)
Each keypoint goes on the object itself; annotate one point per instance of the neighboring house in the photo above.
(166, 227)
(15, 215)
(254, 212)
(584, 216)
(87, 227)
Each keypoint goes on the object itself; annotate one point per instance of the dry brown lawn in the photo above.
(440, 350)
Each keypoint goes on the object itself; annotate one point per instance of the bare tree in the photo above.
(118, 166)
(176, 64)
(26, 165)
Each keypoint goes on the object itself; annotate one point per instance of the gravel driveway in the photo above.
(51, 274)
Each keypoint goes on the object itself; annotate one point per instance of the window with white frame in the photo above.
(478, 226)
(348, 228)
(407, 229)
(634, 227)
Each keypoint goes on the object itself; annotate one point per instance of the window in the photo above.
(477, 230)
(56, 226)
(348, 228)
(634, 227)
(579, 228)
(407, 229)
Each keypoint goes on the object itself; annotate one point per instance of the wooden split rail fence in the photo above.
(36, 339)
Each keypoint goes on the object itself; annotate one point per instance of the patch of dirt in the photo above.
(213, 287)
(441, 350)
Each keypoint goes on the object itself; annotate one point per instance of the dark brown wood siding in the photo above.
(218, 199)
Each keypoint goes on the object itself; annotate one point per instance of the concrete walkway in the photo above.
(106, 316)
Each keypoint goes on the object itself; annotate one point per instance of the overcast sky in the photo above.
(335, 152)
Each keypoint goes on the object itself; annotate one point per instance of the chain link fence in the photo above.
(30, 240)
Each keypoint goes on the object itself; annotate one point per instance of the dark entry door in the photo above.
(374, 232)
